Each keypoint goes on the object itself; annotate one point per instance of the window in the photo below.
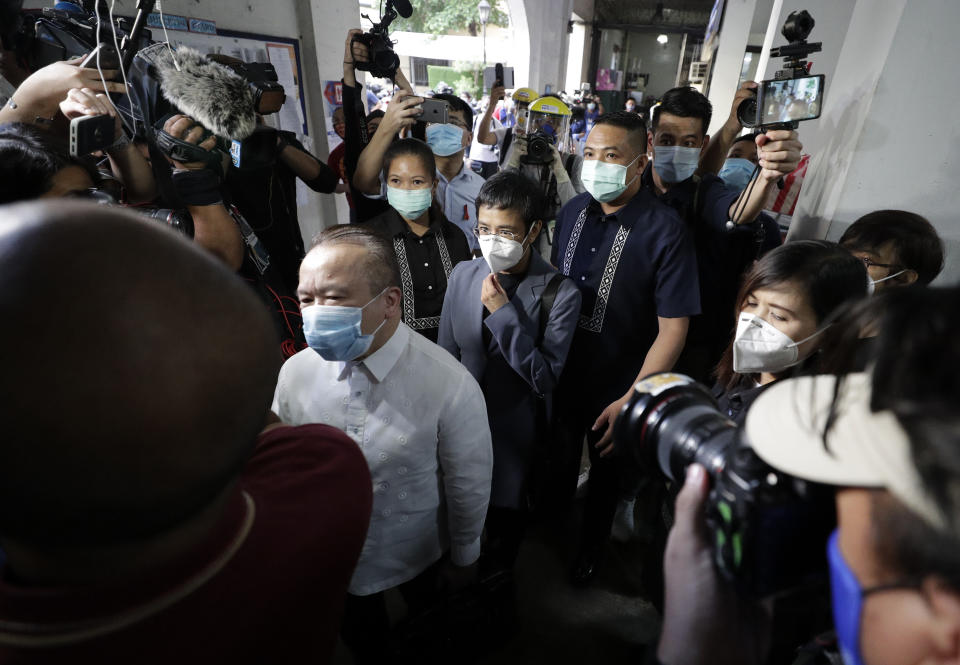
(419, 67)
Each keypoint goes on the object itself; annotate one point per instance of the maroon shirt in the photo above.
(267, 586)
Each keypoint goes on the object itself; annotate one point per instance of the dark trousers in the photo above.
(505, 529)
(366, 624)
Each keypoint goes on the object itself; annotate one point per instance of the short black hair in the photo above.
(634, 123)
(458, 104)
(511, 190)
(373, 115)
(917, 245)
(407, 147)
(746, 137)
(380, 267)
(684, 102)
(29, 158)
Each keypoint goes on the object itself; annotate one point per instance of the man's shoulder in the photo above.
(304, 365)
(430, 358)
(573, 207)
(466, 271)
(469, 181)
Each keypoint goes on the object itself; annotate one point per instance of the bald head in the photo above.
(138, 374)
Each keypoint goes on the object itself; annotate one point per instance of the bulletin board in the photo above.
(282, 52)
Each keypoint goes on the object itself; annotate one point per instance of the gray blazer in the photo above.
(514, 372)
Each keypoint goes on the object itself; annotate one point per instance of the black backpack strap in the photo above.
(568, 164)
(505, 148)
(546, 304)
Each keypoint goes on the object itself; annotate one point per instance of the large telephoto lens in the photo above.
(673, 421)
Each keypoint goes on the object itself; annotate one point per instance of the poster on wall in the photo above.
(332, 100)
(711, 37)
(609, 79)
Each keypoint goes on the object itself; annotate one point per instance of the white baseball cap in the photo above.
(863, 448)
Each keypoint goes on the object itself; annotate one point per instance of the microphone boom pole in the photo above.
(128, 47)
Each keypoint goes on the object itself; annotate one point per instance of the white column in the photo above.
(891, 132)
(728, 61)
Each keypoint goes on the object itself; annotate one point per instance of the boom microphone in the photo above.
(210, 93)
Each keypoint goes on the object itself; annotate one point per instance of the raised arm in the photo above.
(779, 155)
(711, 161)
(484, 134)
(402, 112)
(315, 174)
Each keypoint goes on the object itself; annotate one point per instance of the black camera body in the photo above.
(769, 530)
(539, 145)
(268, 94)
(383, 61)
(796, 29)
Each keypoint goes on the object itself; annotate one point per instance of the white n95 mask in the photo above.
(758, 346)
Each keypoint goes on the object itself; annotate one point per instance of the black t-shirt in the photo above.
(425, 265)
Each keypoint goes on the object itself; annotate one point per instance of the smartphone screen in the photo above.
(790, 100)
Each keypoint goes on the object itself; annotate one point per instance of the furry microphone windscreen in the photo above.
(213, 95)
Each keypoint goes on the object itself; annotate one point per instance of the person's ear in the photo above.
(909, 277)
(467, 139)
(706, 142)
(649, 142)
(944, 627)
(392, 299)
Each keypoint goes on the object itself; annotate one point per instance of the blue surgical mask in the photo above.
(411, 203)
(334, 331)
(847, 603)
(605, 181)
(737, 173)
(674, 163)
(445, 140)
(591, 106)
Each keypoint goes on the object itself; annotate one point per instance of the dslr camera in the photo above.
(792, 95)
(768, 529)
(539, 146)
(383, 61)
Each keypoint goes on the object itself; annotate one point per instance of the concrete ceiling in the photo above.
(666, 13)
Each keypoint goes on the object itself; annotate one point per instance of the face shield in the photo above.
(554, 126)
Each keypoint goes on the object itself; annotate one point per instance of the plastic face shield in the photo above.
(555, 126)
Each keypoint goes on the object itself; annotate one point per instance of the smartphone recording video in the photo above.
(790, 100)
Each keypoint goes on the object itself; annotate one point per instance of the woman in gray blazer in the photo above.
(509, 318)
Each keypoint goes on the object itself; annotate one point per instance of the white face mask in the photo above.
(501, 253)
(759, 346)
(872, 283)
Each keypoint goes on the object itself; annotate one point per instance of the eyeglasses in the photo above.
(509, 235)
(870, 263)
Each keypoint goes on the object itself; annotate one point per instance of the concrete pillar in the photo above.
(545, 22)
(890, 135)
(728, 60)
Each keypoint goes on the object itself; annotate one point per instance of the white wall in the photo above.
(893, 140)
(738, 20)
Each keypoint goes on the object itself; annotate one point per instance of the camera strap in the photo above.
(185, 153)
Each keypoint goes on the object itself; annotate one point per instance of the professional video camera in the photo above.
(383, 61)
(792, 95)
(769, 530)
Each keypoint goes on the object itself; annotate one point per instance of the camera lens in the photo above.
(673, 421)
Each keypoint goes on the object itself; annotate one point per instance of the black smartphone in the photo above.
(90, 133)
(498, 74)
(434, 111)
(789, 100)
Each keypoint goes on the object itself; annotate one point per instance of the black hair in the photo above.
(373, 115)
(830, 275)
(29, 159)
(746, 137)
(408, 147)
(380, 267)
(915, 241)
(684, 102)
(632, 122)
(457, 104)
(510, 190)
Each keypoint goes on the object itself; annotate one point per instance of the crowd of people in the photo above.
(234, 444)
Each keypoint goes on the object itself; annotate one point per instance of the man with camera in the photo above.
(887, 441)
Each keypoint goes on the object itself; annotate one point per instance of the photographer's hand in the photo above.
(704, 621)
(353, 53)
(40, 95)
(402, 112)
(190, 131)
(83, 102)
(780, 153)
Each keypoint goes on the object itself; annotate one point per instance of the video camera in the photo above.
(792, 95)
(768, 529)
(383, 61)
